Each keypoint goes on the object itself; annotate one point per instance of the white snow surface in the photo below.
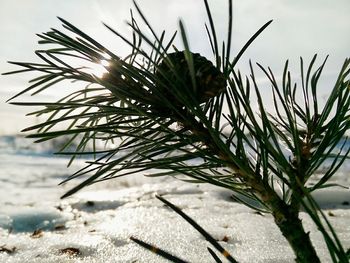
(99, 220)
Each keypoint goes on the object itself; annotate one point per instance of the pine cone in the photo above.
(210, 81)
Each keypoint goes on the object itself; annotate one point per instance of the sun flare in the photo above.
(99, 69)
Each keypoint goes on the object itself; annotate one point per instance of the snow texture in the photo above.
(96, 224)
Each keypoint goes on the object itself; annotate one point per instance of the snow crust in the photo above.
(36, 226)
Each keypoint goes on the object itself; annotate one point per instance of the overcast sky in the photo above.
(300, 28)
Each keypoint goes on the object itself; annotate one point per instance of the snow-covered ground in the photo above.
(95, 225)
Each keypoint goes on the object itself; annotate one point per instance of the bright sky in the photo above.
(300, 28)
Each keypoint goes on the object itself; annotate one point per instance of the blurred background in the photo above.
(300, 28)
